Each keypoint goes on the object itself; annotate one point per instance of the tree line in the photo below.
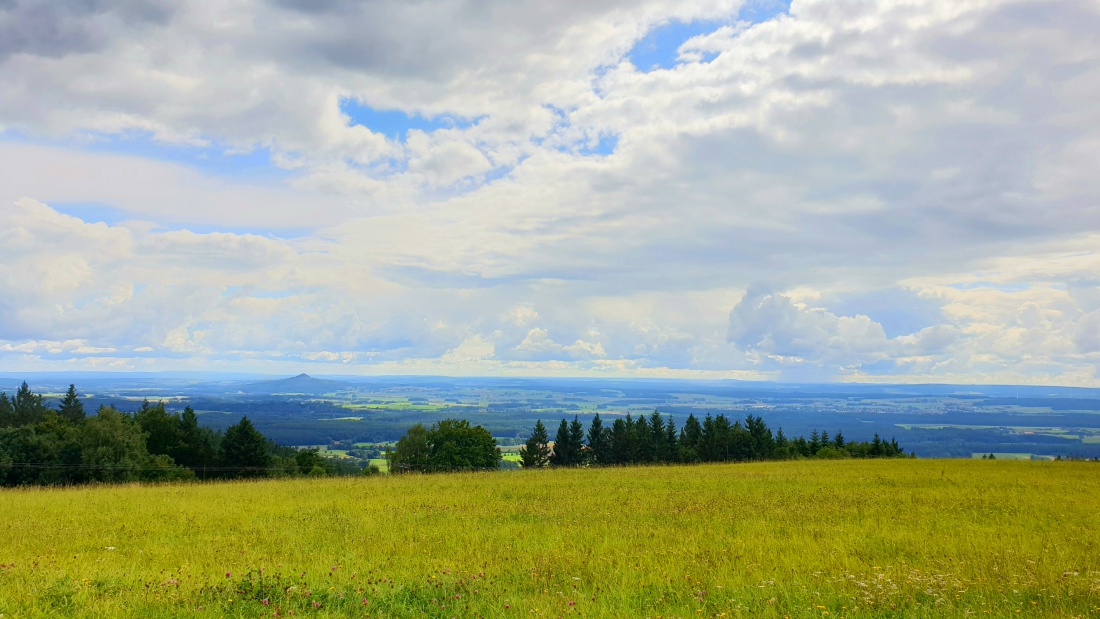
(654, 439)
(40, 445)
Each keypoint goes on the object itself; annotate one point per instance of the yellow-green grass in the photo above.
(906, 538)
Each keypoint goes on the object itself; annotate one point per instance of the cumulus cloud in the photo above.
(912, 178)
(773, 325)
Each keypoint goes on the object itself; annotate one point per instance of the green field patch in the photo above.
(1014, 456)
(854, 538)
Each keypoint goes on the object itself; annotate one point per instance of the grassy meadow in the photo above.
(852, 538)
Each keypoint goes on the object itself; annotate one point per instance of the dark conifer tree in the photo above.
(690, 437)
(761, 440)
(877, 450)
(620, 446)
(672, 445)
(803, 447)
(28, 406)
(244, 451)
(782, 450)
(597, 442)
(740, 443)
(631, 444)
(71, 408)
(838, 440)
(657, 430)
(195, 448)
(645, 445)
(7, 411)
(723, 435)
(562, 449)
(576, 442)
(708, 441)
(815, 442)
(536, 451)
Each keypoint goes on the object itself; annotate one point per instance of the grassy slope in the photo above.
(797, 539)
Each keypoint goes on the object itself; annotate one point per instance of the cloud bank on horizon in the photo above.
(820, 190)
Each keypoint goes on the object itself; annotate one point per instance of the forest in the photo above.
(40, 445)
(655, 440)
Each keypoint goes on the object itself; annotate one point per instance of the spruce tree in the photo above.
(838, 440)
(781, 450)
(763, 443)
(672, 446)
(657, 428)
(620, 443)
(28, 406)
(7, 411)
(690, 436)
(877, 449)
(535, 454)
(597, 442)
(630, 441)
(723, 438)
(646, 446)
(195, 448)
(576, 442)
(708, 441)
(244, 451)
(562, 449)
(71, 407)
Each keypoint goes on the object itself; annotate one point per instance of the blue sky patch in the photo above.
(396, 124)
(759, 11)
(98, 212)
(93, 212)
(216, 160)
(899, 311)
(605, 146)
(658, 49)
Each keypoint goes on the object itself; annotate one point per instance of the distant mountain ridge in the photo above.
(302, 383)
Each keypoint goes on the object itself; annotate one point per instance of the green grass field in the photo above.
(902, 538)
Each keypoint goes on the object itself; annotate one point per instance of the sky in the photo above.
(815, 190)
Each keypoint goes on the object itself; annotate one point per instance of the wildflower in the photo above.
(265, 601)
(228, 574)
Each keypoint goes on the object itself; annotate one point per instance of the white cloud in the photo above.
(852, 155)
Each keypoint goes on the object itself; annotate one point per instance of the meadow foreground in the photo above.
(910, 538)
